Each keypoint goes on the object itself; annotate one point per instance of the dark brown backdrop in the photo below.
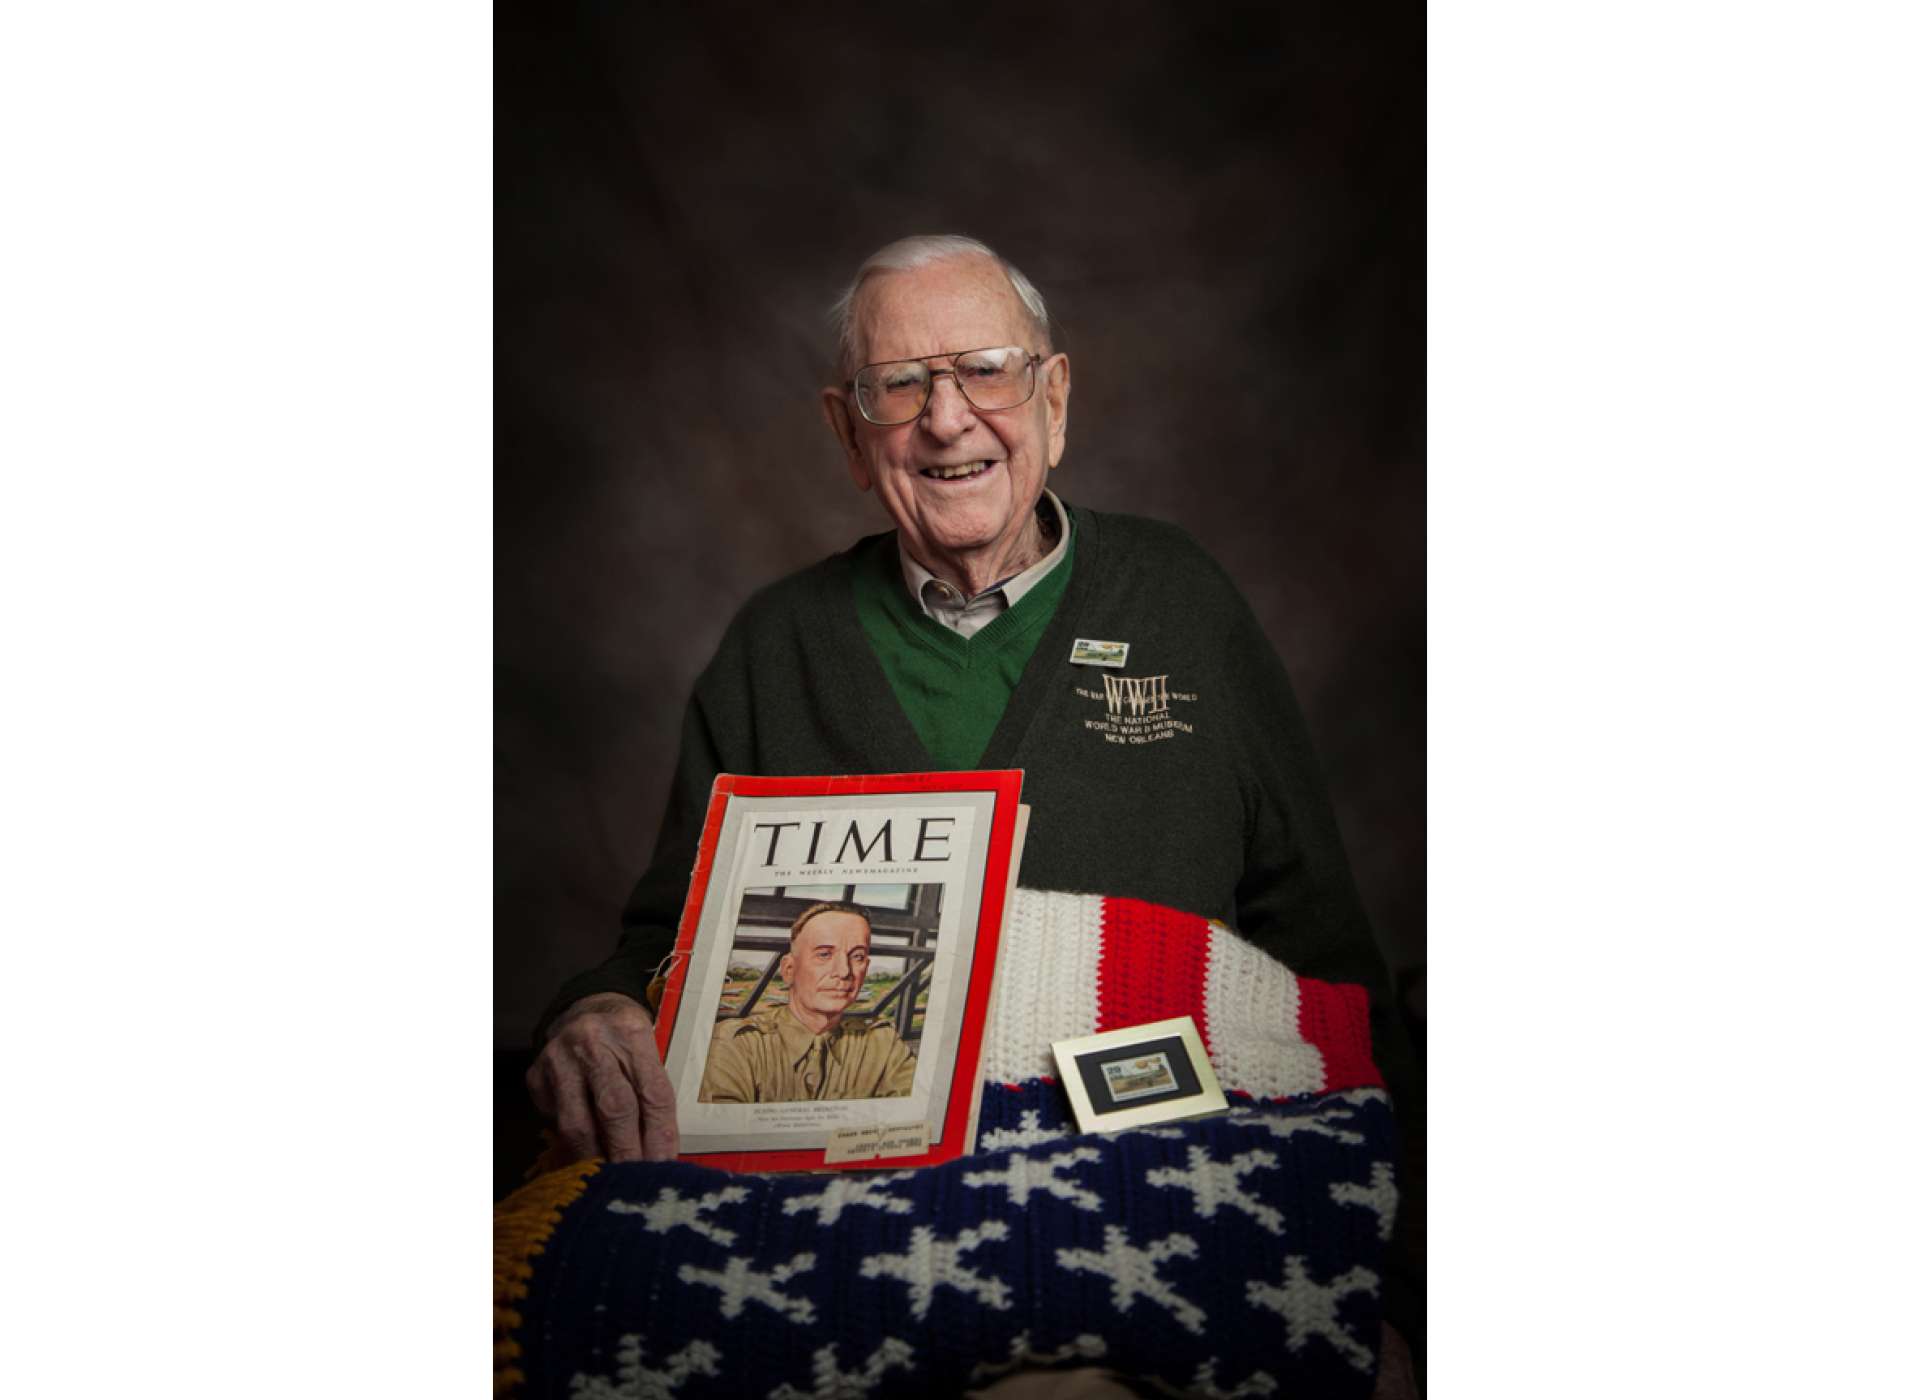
(1223, 207)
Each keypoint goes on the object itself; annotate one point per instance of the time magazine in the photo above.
(826, 998)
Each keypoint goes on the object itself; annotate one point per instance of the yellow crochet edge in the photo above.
(522, 1225)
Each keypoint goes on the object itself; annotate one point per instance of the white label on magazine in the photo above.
(860, 1144)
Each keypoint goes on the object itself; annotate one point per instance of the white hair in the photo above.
(905, 254)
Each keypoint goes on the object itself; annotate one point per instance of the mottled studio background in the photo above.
(1223, 206)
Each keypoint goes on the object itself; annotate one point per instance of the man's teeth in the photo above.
(949, 473)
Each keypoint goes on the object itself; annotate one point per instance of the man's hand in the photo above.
(600, 1079)
(1396, 1379)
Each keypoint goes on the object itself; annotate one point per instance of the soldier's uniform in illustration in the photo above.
(769, 1057)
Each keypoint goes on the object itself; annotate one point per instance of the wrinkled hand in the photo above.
(1396, 1379)
(600, 1079)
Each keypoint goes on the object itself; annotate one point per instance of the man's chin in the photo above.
(946, 540)
(977, 511)
(956, 529)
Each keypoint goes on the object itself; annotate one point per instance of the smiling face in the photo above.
(826, 968)
(975, 526)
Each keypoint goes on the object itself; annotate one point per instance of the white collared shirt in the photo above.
(949, 606)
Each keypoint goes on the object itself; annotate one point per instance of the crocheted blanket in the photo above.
(1231, 1256)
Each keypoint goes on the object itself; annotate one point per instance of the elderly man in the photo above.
(1183, 776)
(806, 1048)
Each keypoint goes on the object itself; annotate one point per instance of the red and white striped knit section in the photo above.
(1073, 964)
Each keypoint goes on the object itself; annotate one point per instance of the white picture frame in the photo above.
(1138, 1075)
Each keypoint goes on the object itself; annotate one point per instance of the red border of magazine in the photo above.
(962, 1107)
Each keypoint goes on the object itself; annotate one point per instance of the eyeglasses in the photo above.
(898, 391)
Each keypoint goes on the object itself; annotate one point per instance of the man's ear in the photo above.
(1059, 385)
(786, 968)
(833, 402)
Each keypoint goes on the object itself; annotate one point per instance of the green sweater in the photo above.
(952, 688)
(1185, 778)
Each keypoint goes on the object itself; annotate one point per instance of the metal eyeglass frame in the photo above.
(1033, 382)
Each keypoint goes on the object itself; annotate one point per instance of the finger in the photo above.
(537, 1087)
(660, 1126)
(618, 1112)
(573, 1116)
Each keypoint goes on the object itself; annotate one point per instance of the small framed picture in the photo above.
(1138, 1075)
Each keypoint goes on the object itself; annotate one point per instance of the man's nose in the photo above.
(948, 413)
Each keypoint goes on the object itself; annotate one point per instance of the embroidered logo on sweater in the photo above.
(1139, 709)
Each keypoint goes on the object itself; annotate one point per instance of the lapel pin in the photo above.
(1091, 653)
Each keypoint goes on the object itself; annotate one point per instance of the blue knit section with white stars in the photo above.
(1239, 1255)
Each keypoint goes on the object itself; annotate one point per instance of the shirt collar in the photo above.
(919, 581)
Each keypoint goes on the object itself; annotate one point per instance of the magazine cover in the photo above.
(829, 989)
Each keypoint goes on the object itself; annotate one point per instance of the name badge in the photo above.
(1091, 653)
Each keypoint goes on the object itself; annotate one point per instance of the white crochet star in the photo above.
(1313, 1310)
(1024, 1175)
(635, 1381)
(931, 1263)
(1362, 1096)
(1205, 1387)
(669, 1209)
(1028, 1134)
(832, 1383)
(843, 1193)
(1379, 1196)
(1215, 1184)
(739, 1285)
(1320, 1122)
(1176, 1132)
(1135, 1272)
(1021, 1353)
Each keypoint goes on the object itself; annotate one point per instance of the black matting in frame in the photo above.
(1186, 1083)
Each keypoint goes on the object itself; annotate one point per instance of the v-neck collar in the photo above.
(930, 634)
(891, 743)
